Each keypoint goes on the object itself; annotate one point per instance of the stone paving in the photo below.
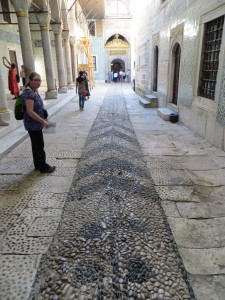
(113, 241)
(138, 203)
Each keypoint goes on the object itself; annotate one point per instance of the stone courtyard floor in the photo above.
(135, 209)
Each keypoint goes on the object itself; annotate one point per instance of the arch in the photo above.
(55, 10)
(155, 68)
(116, 7)
(117, 64)
(176, 54)
(117, 36)
(112, 33)
(64, 15)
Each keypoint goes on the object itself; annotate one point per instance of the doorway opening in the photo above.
(176, 72)
(155, 69)
(13, 59)
(117, 65)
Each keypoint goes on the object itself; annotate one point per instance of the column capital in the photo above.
(66, 34)
(57, 29)
(21, 5)
(73, 41)
(43, 20)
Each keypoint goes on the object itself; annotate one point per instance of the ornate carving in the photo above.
(117, 52)
(117, 43)
(155, 39)
(177, 31)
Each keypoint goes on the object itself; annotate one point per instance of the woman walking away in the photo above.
(12, 80)
(34, 122)
(81, 89)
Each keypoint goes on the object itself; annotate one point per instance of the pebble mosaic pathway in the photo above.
(113, 241)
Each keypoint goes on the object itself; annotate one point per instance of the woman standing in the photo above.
(22, 75)
(34, 122)
(12, 80)
(80, 88)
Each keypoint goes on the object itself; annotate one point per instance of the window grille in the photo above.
(91, 27)
(210, 57)
(94, 63)
(5, 10)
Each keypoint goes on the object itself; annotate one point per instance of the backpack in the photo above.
(18, 108)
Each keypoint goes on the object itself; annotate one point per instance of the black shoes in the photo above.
(49, 170)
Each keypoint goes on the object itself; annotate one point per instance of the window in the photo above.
(5, 10)
(94, 64)
(116, 7)
(91, 27)
(210, 57)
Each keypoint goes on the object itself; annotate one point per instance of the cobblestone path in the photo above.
(113, 241)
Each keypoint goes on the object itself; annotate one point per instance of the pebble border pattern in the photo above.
(113, 241)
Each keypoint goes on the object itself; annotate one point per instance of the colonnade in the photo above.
(65, 75)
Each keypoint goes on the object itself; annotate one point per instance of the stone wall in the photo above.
(182, 22)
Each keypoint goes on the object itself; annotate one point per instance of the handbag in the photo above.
(84, 93)
(45, 113)
(17, 78)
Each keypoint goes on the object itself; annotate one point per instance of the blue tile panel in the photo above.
(98, 51)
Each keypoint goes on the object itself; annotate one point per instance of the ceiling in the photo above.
(93, 9)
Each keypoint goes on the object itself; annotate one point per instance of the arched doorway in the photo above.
(117, 54)
(176, 71)
(155, 69)
(117, 65)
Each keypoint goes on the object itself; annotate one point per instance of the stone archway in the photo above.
(117, 54)
(117, 65)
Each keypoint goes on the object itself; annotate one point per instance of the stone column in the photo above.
(68, 59)
(4, 111)
(43, 19)
(22, 7)
(74, 58)
(57, 29)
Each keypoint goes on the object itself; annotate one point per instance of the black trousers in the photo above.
(37, 144)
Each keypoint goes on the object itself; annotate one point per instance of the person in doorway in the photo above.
(22, 75)
(80, 89)
(128, 75)
(120, 77)
(12, 77)
(115, 76)
(34, 122)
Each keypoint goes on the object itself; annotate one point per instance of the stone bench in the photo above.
(164, 113)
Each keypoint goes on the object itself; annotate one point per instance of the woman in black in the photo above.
(81, 88)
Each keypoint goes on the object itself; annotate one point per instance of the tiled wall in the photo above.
(161, 19)
(98, 51)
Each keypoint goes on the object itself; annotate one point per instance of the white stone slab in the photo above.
(208, 178)
(191, 233)
(204, 261)
(164, 113)
(208, 287)
(202, 210)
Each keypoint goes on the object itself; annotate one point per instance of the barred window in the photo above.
(91, 27)
(94, 63)
(5, 10)
(210, 57)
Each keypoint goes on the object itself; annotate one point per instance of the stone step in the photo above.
(164, 113)
(152, 99)
(145, 103)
